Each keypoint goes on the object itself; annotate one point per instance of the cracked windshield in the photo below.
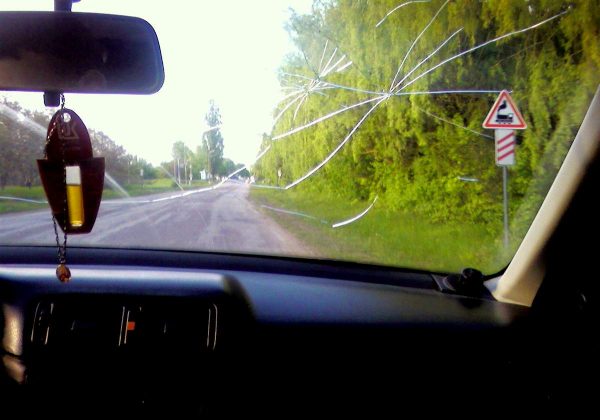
(418, 134)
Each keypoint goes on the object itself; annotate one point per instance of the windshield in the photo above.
(418, 134)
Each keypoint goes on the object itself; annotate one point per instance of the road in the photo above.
(216, 220)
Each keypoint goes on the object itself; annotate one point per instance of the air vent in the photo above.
(160, 326)
(213, 323)
(41, 323)
(172, 327)
(77, 325)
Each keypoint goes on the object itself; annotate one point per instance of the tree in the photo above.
(118, 161)
(22, 134)
(20, 143)
(212, 140)
(244, 173)
(181, 161)
(200, 160)
(141, 169)
(226, 166)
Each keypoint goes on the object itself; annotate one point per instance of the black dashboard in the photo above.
(211, 341)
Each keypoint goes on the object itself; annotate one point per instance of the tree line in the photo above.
(22, 139)
(22, 135)
(415, 151)
(207, 161)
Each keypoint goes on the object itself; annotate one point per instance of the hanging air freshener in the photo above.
(72, 178)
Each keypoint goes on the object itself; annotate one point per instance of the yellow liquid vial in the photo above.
(74, 196)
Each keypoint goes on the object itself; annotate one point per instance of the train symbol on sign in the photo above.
(503, 115)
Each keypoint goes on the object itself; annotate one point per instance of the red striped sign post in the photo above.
(505, 147)
(504, 118)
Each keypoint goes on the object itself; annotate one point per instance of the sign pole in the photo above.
(505, 194)
(504, 118)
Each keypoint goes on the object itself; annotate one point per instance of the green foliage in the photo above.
(32, 193)
(212, 140)
(20, 144)
(7, 206)
(412, 160)
(182, 161)
(207, 157)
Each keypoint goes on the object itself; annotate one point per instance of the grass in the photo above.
(154, 186)
(7, 206)
(382, 237)
(33, 193)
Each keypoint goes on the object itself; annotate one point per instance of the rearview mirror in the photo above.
(70, 52)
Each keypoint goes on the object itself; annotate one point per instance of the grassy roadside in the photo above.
(33, 193)
(397, 239)
(154, 186)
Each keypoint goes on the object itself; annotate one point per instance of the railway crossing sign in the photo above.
(504, 118)
(504, 114)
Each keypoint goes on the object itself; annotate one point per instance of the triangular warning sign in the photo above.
(504, 114)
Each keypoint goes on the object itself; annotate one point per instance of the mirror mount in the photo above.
(64, 5)
(52, 99)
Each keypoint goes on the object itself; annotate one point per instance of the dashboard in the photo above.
(191, 337)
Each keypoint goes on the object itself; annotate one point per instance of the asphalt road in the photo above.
(216, 220)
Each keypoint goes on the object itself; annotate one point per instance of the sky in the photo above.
(226, 50)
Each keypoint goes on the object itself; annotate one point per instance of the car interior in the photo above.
(144, 332)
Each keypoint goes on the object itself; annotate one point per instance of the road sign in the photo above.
(505, 147)
(504, 118)
(504, 114)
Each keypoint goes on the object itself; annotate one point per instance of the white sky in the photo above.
(226, 50)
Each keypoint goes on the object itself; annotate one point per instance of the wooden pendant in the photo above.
(68, 144)
(63, 273)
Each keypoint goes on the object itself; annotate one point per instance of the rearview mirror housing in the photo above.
(69, 52)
